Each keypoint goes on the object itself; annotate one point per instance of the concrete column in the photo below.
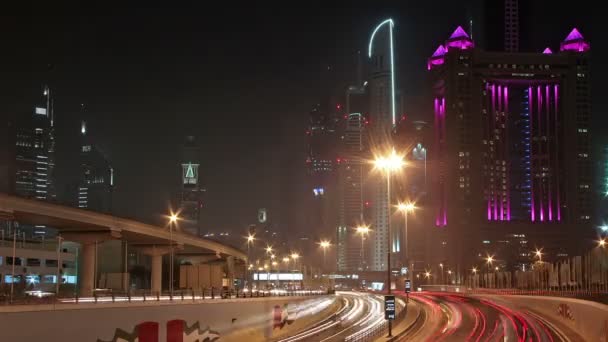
(88, 269)
(157, 272)
(230, 275)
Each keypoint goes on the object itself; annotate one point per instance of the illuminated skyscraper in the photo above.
(350, 195)
(381, 89)
(191, 192)
(96, 182)
(321, 189)
(35, 149)
(512, 145)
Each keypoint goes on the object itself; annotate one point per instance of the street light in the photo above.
(173, 218)
(539, 254)
(474, 270)
(269, 249)
(441, 265)
(389, 163)
(250, 239)
(489, 260)
(405, 208)
(325, 244)
(363, 231)
(601, 242)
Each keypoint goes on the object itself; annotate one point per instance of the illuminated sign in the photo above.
(278, 276)
(40, 111)
(190, 173)
(389, 307)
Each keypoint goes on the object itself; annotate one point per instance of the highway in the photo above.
(453, 317)
(438, 316)
(360, 314)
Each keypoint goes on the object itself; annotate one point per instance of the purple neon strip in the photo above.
(445, 200)
(506, 101)
(437, 141)
(549, 201)
(530, 105)
(557, 197)
(540, 188)
(494, 102)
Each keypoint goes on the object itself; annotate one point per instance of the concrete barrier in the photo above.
(255, 319)
(588, 319)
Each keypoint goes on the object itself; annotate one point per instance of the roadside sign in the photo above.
(389, 307)
(408, 286)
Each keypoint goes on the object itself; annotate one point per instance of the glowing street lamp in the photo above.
(390, 163)
(363, 231)
(601, 243)
(250, 239)
(539, 254)
(269, 249)
(474, 270)
(405, 208)
(325, 244)
(173, 218)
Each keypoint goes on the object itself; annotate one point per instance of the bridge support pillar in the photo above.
(156, 272)
(89, 263)
(88, 270)
(230, 271)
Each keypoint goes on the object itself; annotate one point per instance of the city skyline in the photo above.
(158, 156)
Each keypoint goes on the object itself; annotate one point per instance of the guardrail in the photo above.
(109, 296)
(380, 329)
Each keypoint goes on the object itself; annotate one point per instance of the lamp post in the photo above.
(441, 266)
(172, 221)
(406, 208)
(325, 244)
(389, 164)
(363, 231)
(250, 238)
(295, 257)
(489, 261)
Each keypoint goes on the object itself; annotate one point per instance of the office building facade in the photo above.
(190, 202)
(512, 145)
(96, 183)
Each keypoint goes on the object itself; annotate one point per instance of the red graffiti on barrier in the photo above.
(177, 331)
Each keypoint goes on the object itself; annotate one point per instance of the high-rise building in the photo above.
(35, 147)
(321, 160)
(350, 251)
(191, 189)
(381, 89)
(35, 154)
(7, 155)
(414, 137)
(512, 146)
(96, 182)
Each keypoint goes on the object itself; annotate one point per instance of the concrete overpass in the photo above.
(89, 228)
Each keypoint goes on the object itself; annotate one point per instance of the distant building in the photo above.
(35, 154)
(350, 250)
(7, 154)
(512, 146)
(96, 182)
(191, 190)
(321, 170)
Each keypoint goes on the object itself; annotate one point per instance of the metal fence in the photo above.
(109, 296)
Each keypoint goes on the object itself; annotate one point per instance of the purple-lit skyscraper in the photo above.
(512, 142)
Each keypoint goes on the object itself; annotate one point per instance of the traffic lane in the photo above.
(470, 319)
(359, 310)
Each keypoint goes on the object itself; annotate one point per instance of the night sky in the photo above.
(241, 79)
